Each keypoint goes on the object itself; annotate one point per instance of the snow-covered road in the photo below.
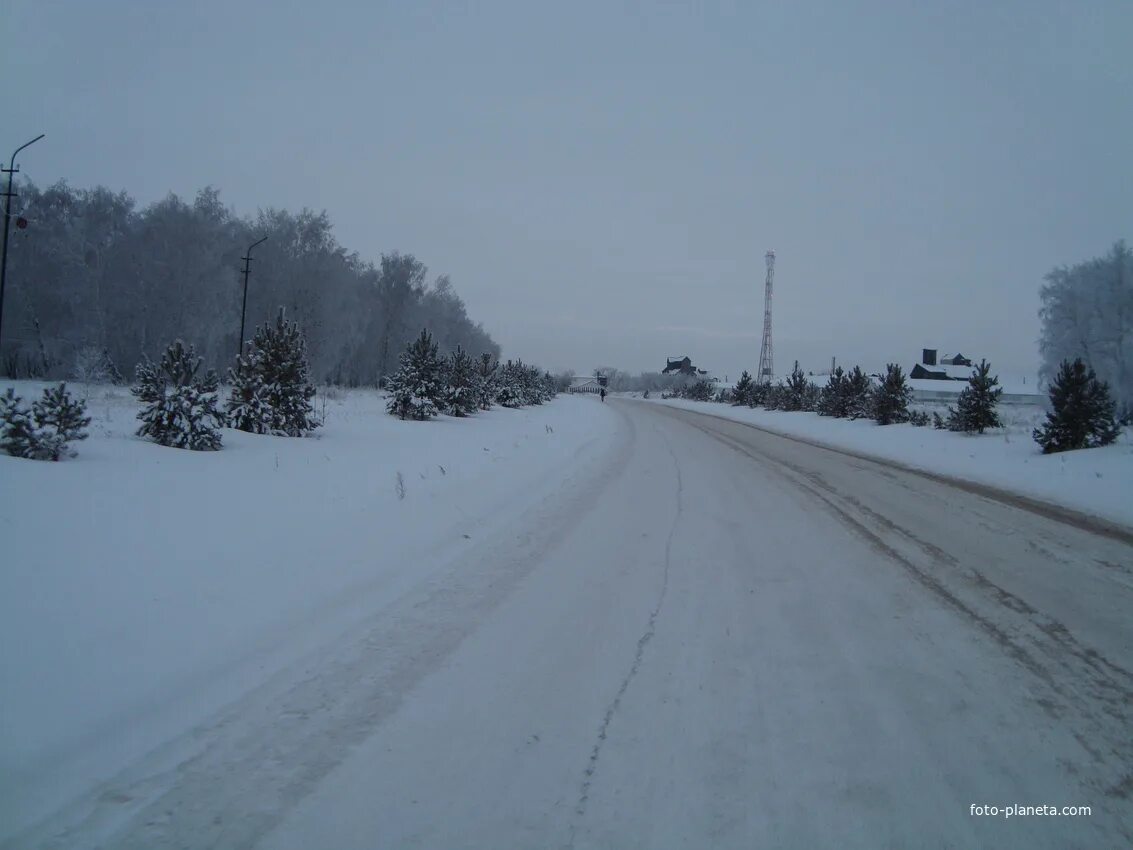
(713, 637)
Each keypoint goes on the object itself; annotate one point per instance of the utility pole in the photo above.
(244, 310)
(766, 365)
(8, 195)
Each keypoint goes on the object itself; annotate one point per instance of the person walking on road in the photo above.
(603, 393)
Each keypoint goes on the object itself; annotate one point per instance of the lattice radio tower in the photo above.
(766, 366)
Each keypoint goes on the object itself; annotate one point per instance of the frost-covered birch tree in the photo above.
(1087, 313)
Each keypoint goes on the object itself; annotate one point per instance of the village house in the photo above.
(954, 368)
(682, 366)
(586, 384)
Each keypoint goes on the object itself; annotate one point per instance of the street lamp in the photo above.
(11, 169)
(244, 310)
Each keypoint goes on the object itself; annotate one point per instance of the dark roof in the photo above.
(683, 365)
(919, 372)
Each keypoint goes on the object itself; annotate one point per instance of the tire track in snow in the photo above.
(1048, 510)
(642, 642)
(1081, 682)
(253, 762)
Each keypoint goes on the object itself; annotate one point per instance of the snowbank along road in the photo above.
(709, 636)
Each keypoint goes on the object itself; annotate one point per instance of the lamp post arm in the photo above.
(21, 147)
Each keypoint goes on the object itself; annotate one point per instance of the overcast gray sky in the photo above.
(602, 180)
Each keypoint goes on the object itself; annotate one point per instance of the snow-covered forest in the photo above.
(93, 274)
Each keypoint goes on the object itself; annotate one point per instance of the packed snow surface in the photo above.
(1095, 481)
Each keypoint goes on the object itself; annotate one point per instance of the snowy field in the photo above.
(1096, 481)
(146, 587)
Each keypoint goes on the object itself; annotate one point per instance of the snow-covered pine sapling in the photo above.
(112, 369)
(538, 388)
(487, 380)
(976, 406)
(775, 397)
(891, 399)
(859, 394)
(271, 386)
(247, 408)
(460, 396)
(509, 388)
(800, 392)
(699, 390)
(179, 408)
(1082, 412)
(59, 420)
(918, 418)
(415, 389)
(832, 399)
(759, 392)
(527, 381)
(18, 436)
(44, 432)
(550, 388)
(742, 394)
(286, 375)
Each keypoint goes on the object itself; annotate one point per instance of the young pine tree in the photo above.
(858, 389)
(539, 387)
(759, 393)
(799, 391)
(743, 391)
(487, 380)
(832, 401)
(776, 396)
(550, 387)
(976, 406)
(919, 418)
(279, 354)
(509, 388)
(416, 389)
(248, 408)
(179, 408)
(112, 368)
(1082, 413)
(18, 435)
(460, 395)
(699, 390)
(531, 383)
(59, 420)
(891, 399)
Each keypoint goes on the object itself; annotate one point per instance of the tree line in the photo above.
(1081, 413)
(270, 392)
(96, 284)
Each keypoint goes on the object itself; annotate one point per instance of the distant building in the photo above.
(942, 382)
(586, 384)
(682, 366)
(956, 360)
(954, 368)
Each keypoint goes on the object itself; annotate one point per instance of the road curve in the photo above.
(725, 639)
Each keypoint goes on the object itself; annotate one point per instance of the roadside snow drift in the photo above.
(146, 587)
